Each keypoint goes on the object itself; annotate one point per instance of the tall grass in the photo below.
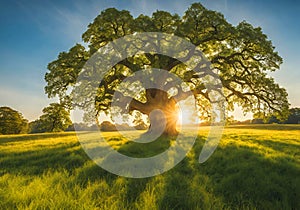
(255, 167)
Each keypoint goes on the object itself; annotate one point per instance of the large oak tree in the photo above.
(242, 54)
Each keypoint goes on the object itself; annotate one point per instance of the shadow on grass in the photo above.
(136, 186)
(177, 187)
(244, 178)
(37, 161)
(138, 150)
(234, 177)
(63, 156)
(26, 137)
(284, 147)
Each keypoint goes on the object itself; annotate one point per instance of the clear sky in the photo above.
(33, 33)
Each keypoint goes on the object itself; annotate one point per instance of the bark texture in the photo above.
(161, 110)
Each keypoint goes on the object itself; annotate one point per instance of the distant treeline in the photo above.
(56, 119)
(293, 118)
(105, 126)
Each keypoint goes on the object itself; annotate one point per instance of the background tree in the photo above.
(139, 123)
(78, 127)
(37, 126)
(242, 54)
(273, 119)
(294, 116)
(107, 126)
(12, 121)
(82, 127)
(55, 118)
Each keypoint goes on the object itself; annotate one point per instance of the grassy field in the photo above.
(254, 167)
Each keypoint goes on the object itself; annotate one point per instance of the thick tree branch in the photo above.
(182, 95)
(131, 104)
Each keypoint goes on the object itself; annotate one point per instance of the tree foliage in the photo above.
(294, 116)
(12, 121)
(82, 127)
(37, 126)
(242, 54)
(107, 126)
(55, 118)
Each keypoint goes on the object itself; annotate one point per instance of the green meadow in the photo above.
(254, 167)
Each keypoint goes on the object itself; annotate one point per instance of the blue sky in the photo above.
(34, 32)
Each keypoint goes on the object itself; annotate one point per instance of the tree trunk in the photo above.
(163, 122)
(164, 115)
(161, 110)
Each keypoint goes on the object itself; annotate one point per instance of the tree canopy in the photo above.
(55, 118)
(294, 116)
(242, 54)
(12, 121)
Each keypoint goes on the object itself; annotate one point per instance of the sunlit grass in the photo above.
(254, 167)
